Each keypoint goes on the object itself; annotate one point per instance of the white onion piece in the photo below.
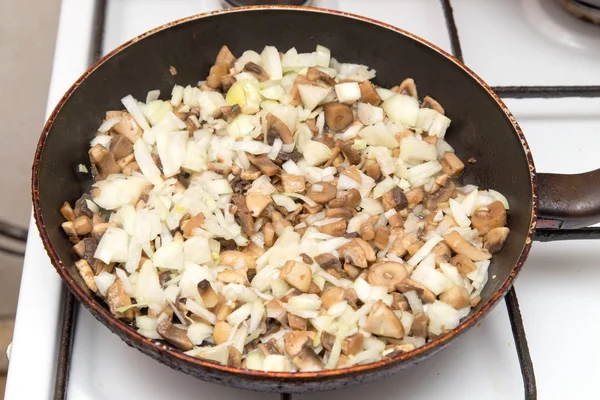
(134, 109)
(243, 160)
(108, 124)
(176, 95)
(424, 250)
(291, 167)
(285, 202)
(152, 95)
(146, 163)
(104, 280)
(497, 196)
(459, 214)
(415, 303)
(275, 149)
(199, 332)
(302, 197)
(348, 92)
(200, 311)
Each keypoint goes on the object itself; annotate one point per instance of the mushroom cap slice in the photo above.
(277, 128)
(460, 245)
(387, 274)
(457, 297)
(338, 116)
(175, 336)
(297, 274)
(237, 259)
(295, 341)
(486, 220)
(495, 238)
(383, 322)
(322, 192)
(307, 359)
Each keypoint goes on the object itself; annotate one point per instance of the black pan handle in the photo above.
(566, 204)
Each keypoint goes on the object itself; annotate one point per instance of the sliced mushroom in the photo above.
(420, 325)
(275, 308)
(387, 274)
(408, 87)
(398, 349)
(126, 126)
(295, 341)
(82, 225)
(331, 295)
(87, 274)
(216, 73)
(327, 340)
(237, 259)
(338, 116)
(494, 239)
(265, 165)
(117, 297)
(197, 221)
(367, 230)
(239, 276)
(399, 302)
(354, 254)
(306, 258)
(314, 75)
(293, 183)
(104, 161)
(210, 298)
(173, 335)
(415, 196)
(307, 359)
(366, 247)
(353, 344)
(231, 112)
(352, 271)
(269, 232)
(460, 245)
(242, 214)
(277, 128)
(235, 357)
(270, 348)
(345, 213)
(227, 82)
(407, 285)
(442, 193)
(373, 170)
(328, 262)
(223, 309)
(67, 211)
(225, 56)
(442, 253)
(368, 94)
(451, 164)
(337, 228)
(221, 332)
(321, 192)
(120, 146)
(383, 322)
(395, 199)
(297, 274)
(463, 264)
(256, 203)
(85, 249)
(486, 220)
(297, 323)
(381, 237)
(259, 73)
(457, 297)
(350, 198)
(430, 102)
(352, 155)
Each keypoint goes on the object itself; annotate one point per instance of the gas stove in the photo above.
(542, 60)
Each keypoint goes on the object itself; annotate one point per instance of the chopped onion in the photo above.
(252, 147)
(441, 317)
(302, 197)
(316, 153)
(344, 183)
(285, 202)
(378, 135)
(112, 246)
(108, 124)
(497, 196)
(177, 95)
(134, 109)
(414, 302)
(152, 95)
(402, 109)
(200, 311)
(312, 96)
(384, 159)
(243, 160)
(348, 92)
(104, 280)
(459, 214)
(426, 274)
(291, 168)
(199, 332)
(277, 146)
(146, 163)
(425, 250)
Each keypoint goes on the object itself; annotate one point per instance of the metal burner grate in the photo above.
(516, 92)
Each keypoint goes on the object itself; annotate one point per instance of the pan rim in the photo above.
(163, 352)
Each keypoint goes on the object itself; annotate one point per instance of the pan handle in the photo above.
(568, 201)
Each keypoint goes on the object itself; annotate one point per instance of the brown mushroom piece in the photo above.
(331, 295)
(120, 146)
(297, 275)
(259, 73)
(328, 262)
(242, 214)
(486, 220)
(238, 276)
(237, 259)
(297, 323)
(387, 274)
(173, 335)
(407, 285)
(399, 302)
(194, 222)
(231, 111)
(67, 211)
(463, 264)
(210, 298)
(104, 161)
(85, 249)
(221, 332)
(126, 126)
(395, 199)
(216, 73)
(269, 232)
(398, 349)
(345, 213)
(82, 225)
(117, 298)
(266, 166)
(295, 341)
(442, 253)
(353, 253)
(368, 94)
(430, 102)
(409, 87)
(383, 322)
(314, 75)
(277, 128)
(270, 348)
(352, 344)
(321, 192)
(457, 297)
(87, 274)
(352, 155)
(420, 324)
(337, 228)
(381, 237)
(256, 203)
(223, 309)
(367, 231)
(227, 82)
(350, 198)
(440, 193)
(415, 196)
(307, 359)
(494, 239)
(460, 245)
(327, 340)
(452, 165)
(225, 56)
(338, 116)
(293, 183)
(235, 357)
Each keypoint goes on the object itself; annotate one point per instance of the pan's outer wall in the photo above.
(480, 129)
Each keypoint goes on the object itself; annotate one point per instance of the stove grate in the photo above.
(512, 304)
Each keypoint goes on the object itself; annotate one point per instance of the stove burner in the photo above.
(588, 10)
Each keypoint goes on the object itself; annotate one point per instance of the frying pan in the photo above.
(482, 128)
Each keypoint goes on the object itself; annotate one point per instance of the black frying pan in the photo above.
(482, 127)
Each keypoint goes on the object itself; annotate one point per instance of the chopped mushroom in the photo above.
(338, 116)
(235, 357)
(210, 298)
(408, 87)
(295, 341)
(297, 274)
(307, 359)
(461, 246)
(225, 56)
(121, 147)
(429, 102)
(337, 228)
(381, 237)
(395, 199)
(398, 349)
(126, 126)
(242, 214)
(293, 183)
(387, 274)
(117, 298)
(352, 155)
(383, 322)
(415, 196)
(256, 203)
(321, 192)
(222, 332)
(175, 336)
(278, 128)
(297, 323)
(463, 264)
(344, 213)
(451, 164)
(270, 348)
(440, 193)
(86, 274)
(354, 253)
(217, 72)
(486, 220)
(237, 259)
(314, 75)
(457, 297)
(353, 344)
(350, 199)
(259, 73)
(104, 161)
(407, 285)
(420, 325)
(262, 162)
(495, 238)
(368, 94)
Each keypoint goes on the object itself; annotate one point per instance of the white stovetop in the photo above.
(511, 42)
